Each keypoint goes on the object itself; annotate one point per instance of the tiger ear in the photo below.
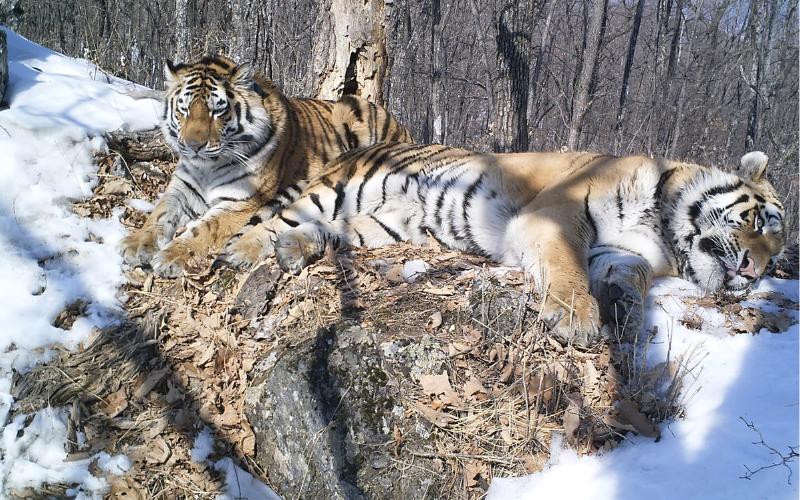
(754, 165)
(171, 71)
(243, 76)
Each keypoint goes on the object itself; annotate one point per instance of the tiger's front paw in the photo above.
(173, 260)
(137, 249)
(294, 251)
(621, 306)
(245, 252)
(581, 327)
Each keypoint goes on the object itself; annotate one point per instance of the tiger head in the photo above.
(213, 113)
(737, 228)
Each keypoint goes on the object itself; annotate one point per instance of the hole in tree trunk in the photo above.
(350, 82)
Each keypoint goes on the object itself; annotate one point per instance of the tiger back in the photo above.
(239, 140)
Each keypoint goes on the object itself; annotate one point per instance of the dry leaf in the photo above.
(611, 420)
(435, 417)
(395, 274)
(158, 451)
(115, 186)
(229, 418)
(473, 336)
(542, 383)
(443, 291)
(156, 429)
(693, 321)
(637, 419)
(473, 469)
(150, 383)
(439, 385)
(115, 403)
(434, 321)
(208, 355)
(754, 320)
(505, 434)
(474, 387)
(434, 244)
(508, 370)
(572, 420)
(125, 488)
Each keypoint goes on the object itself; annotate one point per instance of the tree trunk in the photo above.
(678, 122)
(182, 52)
(626, 73)
(581, 100)
(536, 84)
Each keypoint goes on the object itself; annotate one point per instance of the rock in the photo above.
(339, 412)
(324, 413)
(3, 68)
(11, 14)
(498, 308)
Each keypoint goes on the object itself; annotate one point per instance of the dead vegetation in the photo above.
(184, 359)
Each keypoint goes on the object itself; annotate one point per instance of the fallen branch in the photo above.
(148, 145)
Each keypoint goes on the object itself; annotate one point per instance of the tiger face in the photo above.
(213, 111)
(738, 233)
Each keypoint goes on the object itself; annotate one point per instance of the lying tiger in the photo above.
(592, 230)
(240, 141)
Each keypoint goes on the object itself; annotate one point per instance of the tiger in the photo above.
(239, 141)
(591, 230)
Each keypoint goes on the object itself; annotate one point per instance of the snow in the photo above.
(240, 484)
(59, 108)
(203, 446)
(414, 269)
(754, 377)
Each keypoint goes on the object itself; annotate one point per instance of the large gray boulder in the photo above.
(324, 414)
(336, 411)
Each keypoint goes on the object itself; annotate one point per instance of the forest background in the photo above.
(697, 80)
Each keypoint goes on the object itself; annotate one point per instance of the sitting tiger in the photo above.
(240, 140)
(592, 230)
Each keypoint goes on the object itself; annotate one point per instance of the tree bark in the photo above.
(182, 52)
(140, 146)
(626, 73)
(581, 100)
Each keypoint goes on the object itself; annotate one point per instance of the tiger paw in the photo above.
(243, 253)
(581, 328)
(621, 306)
(173, 260)
(294, 251)
(137, 249)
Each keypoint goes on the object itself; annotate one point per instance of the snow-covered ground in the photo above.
(59, 107)
(702, 456)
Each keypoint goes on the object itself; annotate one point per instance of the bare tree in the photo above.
(581, 103)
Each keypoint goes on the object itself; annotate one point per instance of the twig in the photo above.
(784, 460)
(466, 456)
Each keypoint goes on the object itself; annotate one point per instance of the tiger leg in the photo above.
(176, 208)
(553, 252)
(300, 246)
(203, 236)
(253, 242)
(620, 282)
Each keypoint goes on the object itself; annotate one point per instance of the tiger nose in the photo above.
(748, 269)
(195, 145)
